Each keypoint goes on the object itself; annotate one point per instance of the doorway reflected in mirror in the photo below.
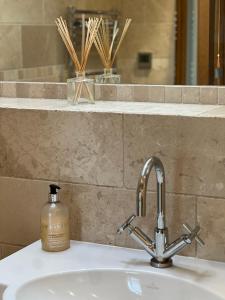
(200, 43)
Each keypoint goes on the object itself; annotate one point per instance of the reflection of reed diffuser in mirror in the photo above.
(107, 48)
(80, 89)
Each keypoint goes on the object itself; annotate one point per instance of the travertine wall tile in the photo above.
(10, 47)
(160, 11)
(221, 95)
(136, 14)
(31, 152)
(41, 46)
(7, 250)
(3, 157)
(97, 212)
(124, 92)
(211, 218)
(157, 93)
(192, 150)
(24, 90)
(56, 73)
(21, 11)
(141, 92)
(8, 89)
(98, 92)
(29, 39)
(108, 92)
(21, 202)
(190, 94)
(173, 94)
(94, 155)
(11, 75)
(75, 147)
(209, 95)
(53, 9)
(159, 27)
(55, 91)
(93, 4)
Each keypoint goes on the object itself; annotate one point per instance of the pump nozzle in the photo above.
(54, 189)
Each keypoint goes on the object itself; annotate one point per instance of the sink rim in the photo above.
(11, 290)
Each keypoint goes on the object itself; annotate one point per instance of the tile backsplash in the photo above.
(97, 157)
(121, 92)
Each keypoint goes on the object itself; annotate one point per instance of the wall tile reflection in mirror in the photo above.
(169, 41)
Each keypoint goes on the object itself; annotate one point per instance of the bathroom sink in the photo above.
(108, 284)
(91, 271)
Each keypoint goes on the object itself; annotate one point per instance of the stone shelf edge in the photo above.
(116, 107)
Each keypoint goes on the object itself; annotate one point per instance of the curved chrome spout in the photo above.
(159, 248)
(142, 190)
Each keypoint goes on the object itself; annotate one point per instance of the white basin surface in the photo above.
(109, 285)
(91, 271)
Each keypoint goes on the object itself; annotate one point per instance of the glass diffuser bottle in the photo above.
(108, 77)
(105, 42)
(80, 89)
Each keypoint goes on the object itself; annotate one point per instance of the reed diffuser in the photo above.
(107, 48)
(80, 88)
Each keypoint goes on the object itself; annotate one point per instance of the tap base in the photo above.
(157, 264)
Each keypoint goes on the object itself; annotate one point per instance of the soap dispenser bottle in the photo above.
(55, 232)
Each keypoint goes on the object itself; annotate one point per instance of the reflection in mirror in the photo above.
(200, 43)
(168, 42)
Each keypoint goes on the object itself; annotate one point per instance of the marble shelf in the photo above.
(117, 107)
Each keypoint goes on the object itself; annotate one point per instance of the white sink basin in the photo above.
(90, 271)
(108, 284)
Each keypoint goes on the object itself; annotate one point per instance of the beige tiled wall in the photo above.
(162, 93)
(96, 158)
(96, 4)
(29, 40)
(152, 30)
(49, 73)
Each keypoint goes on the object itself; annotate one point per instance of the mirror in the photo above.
(168, 42)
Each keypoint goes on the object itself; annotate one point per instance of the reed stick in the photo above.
(127, 24)
(88, 38)
(106, 46)
(89, 32)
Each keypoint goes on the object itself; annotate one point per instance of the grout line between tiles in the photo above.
(123, 146)
(196, 222)
(10, 244)
(124, 188)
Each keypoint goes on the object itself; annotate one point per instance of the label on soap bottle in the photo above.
(55, 237)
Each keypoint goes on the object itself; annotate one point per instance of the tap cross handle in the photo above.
(194, 234)
(126, 224)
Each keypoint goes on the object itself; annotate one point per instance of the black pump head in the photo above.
(54, 189)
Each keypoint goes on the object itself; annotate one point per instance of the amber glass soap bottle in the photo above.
(55, 232)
